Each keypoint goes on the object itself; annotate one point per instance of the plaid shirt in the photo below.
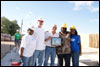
(65, 47)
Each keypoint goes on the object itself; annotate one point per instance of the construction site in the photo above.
(71, 25)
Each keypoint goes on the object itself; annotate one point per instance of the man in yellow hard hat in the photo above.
(64, 27)
(63, 51)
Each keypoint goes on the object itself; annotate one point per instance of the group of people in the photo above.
(36, 47)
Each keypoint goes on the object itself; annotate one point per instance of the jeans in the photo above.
(75, 58)
(50, 52)
(17, 42)
(66, 57)
(38, 55)
(27, 61)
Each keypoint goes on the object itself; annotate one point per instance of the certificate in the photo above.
(56, 41)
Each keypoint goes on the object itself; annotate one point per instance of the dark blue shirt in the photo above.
(75, 40)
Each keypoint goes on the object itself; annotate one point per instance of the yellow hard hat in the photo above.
(64, 25)
(72, 27)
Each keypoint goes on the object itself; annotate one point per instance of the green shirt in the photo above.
(17, 36)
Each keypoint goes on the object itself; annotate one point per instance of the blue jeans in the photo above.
(27, 61)
(50, 52)
(38, 54)
(75, 58)
(17, 42)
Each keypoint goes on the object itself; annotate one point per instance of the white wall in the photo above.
(84, 40)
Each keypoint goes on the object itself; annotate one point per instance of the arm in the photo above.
(49, 38)
(46, 36)
(23, 45)
(80, 48)
(20, 37)
(80, 45)
(68, 36)
(21, 52)
(15, 35)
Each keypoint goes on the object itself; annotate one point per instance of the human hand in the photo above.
(49, 38)
(20, 55)
(80, 53)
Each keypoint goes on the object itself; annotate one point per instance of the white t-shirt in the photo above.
(47, 34)
(29, 44)
(40, 36)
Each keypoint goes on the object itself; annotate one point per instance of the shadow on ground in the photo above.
(90, 62)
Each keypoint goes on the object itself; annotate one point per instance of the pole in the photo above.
(21, 25)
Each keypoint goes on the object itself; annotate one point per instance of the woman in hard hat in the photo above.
(63, 51)
(75, 46)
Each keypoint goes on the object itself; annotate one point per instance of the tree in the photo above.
(8, 26)
(4, 25)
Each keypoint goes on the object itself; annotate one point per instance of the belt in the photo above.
(50, 47)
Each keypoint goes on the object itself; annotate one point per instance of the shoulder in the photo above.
(47, 32)
(77, 36)
(35, 28)
(19, 33)
(67, 32)
(60, 34)
(57, 33)
(25, 36)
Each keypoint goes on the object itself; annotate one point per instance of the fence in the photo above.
(7, 37)
(94, 40)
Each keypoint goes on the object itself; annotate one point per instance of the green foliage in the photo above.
(8, 27)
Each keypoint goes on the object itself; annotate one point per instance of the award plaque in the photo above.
(56, 41)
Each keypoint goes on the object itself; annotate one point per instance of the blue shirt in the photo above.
(75, 40)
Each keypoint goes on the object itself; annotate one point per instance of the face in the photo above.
(17, 31)
(63, 29)
(72, 31)
(54, 28)
(40, 23)
(30, 32)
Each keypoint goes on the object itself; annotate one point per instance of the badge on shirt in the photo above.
(73, 39)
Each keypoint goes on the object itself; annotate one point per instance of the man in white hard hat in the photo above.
(27, 48)
(40, 47)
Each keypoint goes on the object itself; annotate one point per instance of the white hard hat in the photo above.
(40, 20)
(17, 30)
(31, 27)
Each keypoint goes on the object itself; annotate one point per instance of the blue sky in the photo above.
(83, 14)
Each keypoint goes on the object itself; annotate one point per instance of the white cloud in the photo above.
(29, 14)
(95, 9)
(84, 4)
